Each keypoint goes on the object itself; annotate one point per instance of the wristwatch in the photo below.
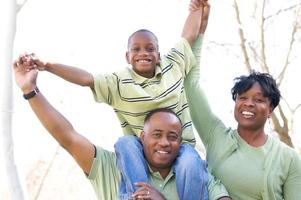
(31, 94)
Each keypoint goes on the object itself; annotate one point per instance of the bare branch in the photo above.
(262, 40)
(255, 54)
(282, 130)
(242, 38)
(296, 108)
(292, 40)
(283, 10)
(20, 6)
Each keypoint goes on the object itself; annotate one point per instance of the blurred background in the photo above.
(263, 35)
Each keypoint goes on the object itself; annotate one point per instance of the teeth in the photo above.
(247, 113)
(163, 152)
(143, 61)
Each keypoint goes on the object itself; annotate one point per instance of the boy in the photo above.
(152, 82)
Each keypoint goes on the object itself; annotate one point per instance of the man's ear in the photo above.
(127, 57)
(142, 135)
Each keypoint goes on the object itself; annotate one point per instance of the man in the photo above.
(160, 138)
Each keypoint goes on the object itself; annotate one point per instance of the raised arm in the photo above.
(56, 124)
(72, 74)
(193, 22)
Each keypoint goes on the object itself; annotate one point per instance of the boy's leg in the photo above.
(131, 163)
(191, 174)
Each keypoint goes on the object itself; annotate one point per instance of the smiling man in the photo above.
(161, 138)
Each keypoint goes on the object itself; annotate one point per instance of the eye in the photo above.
(241, 98)
(151, 49)
(173, 137)
(135, 49)
(259, 100)
(156, 134)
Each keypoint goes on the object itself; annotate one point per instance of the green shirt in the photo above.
(133, 96)
(105, 179)
(272, 171)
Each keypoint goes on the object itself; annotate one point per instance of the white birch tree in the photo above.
(9, 11)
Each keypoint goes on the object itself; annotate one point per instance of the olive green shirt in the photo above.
(105, 179)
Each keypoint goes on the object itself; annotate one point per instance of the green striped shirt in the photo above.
(133, 96)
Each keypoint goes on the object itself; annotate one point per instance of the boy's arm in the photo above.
(81, 149)
(72, 74)
(192, 24)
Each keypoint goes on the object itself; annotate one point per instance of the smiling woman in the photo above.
(268, 168)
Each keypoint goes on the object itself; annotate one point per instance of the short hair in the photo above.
(157, 110)
(266, 81)
(146, 31)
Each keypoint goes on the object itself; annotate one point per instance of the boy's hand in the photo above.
(196, 5)
(31, 61)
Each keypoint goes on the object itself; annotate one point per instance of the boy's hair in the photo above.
(146, 31)
(265, 80)
(157, 110)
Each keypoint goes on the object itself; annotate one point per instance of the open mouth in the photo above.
(247, 114)
(144, 61)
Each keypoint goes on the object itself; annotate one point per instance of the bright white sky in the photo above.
(92, 35)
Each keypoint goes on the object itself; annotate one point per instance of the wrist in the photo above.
(47, 65)
(31, 93)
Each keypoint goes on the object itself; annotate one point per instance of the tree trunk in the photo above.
(9, 12)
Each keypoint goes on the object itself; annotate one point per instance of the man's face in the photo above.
(143, 53)
(161, 139)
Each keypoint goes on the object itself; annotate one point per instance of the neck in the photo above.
(255, 138)
(163, 172)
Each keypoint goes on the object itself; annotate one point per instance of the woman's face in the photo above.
(252, 108)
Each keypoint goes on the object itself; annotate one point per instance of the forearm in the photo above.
(72, 74)
(192, 26)
(55, 123)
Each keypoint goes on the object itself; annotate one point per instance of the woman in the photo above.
(250, 163)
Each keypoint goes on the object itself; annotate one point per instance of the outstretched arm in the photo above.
(72, 74)
(81, 149)
(193, 22)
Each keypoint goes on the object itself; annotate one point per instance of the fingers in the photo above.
(143, 192)
(197, 4)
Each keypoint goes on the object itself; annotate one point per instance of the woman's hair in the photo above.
(265, 80)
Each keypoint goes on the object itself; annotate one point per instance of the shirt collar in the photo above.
(140, 79)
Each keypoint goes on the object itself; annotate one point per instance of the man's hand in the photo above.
(25, 76)
(147, 191)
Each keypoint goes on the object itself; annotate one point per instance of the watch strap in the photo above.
(31, 94)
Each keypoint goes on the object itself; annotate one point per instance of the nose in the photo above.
(164, 141)
(143, 52)
(249, 102)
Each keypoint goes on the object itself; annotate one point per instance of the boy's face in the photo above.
(143, 53)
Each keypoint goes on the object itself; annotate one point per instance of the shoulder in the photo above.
(286, 152)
